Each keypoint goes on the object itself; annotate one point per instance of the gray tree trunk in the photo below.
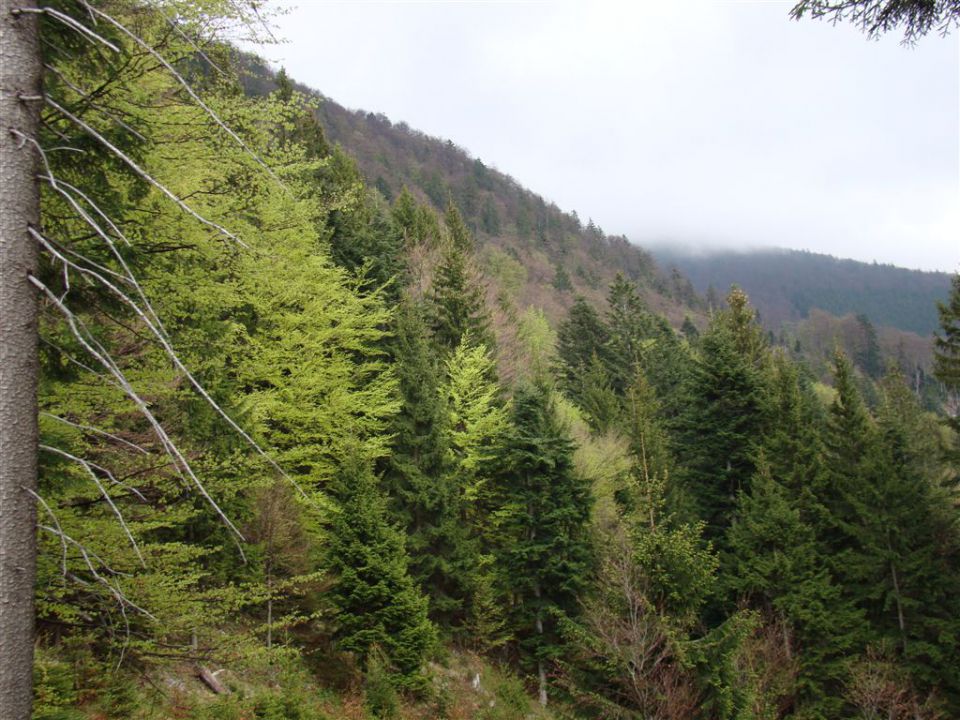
(20, 76)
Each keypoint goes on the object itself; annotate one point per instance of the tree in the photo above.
(378, 603)
(722, 419)
(582, 337)
(20, 78)
(775, 567)
(947, 357)
(876, 17)
(540, 529)
(457, 298)
(421, 483)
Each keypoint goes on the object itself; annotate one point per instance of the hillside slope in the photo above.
(787, 284)
(546, 256)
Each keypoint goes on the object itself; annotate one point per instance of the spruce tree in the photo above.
(582, 344)
(721, 423)
(457, 297)
(418, 475)
(379, 606)
(774, 566)
(947, 361)
(541, 541)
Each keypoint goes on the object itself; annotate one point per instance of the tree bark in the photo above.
(20, 77)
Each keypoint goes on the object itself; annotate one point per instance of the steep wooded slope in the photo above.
(536, 253)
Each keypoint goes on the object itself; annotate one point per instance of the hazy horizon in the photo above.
(728, 127)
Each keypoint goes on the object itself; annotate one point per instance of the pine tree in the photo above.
(541, 541)
(378, 604)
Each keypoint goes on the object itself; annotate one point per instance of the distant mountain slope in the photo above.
(787, 284)
(549, 255)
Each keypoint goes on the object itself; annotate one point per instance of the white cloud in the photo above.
(709, 122)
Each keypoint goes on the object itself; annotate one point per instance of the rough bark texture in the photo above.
(20, 73)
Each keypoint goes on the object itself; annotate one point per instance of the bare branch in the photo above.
(190, 91)
(103, 491)
(87, 341)
(97, 431)
(53, 516)
(70, 22)
(142, 173)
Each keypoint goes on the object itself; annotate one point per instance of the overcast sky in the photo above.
(706, 123)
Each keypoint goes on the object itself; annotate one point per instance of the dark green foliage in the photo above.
(721, 422)
(787, 284)
(362, 238)
(378, 603)
(775, 566)
(875, 17)
(540, 527)
(947, 358)
(582, 344)
(419, 477)
(561, 279)
(868, 354)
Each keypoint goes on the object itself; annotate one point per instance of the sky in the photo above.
(706, 124)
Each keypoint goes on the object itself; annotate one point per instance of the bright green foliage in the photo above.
(540, 527)
(477, 419)
(476, 423)
(378, 603)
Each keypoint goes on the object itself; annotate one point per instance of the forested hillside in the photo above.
(530, 250)
(312, 448)
(787, 284)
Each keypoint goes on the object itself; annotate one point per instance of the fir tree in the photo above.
(582, 337)
(378, 603)
(541, 541)
(721, 423)
(418, 476)
(457, 298)
(775, 567)
(947, 360)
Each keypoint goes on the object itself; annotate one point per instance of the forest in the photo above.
(311, 446)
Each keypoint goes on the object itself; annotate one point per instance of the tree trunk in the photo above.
(20, 75)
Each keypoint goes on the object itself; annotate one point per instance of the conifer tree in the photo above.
(476, 422)
(904, 566)
(541, 541)
(849, 442)
(947, 360)
(420, 481)
(722, 420)
(638, 338)
(581, 338)
(379, 605)
(775, 567)
(457, 297)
